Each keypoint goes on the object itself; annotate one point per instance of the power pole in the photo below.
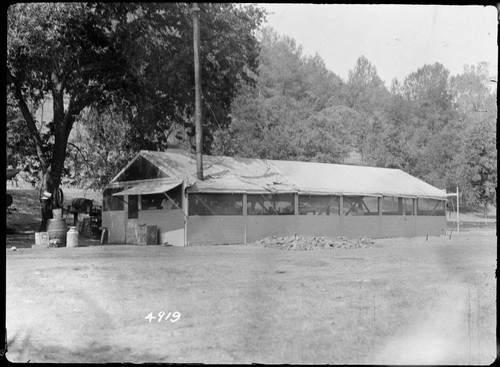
(197, 94)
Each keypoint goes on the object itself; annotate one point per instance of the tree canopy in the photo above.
(134, 56)
(433, 125)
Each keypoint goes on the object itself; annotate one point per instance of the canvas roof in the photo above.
(150, 188)
(356, 180)
(232, 174)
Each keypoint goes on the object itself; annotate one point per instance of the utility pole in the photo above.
(197, 83)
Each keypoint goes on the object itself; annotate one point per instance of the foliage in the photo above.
(272, 119)
(98, 148)
(62, 50)
(21, 152)
(437, 127)
(480, 164)
(163, 64)
(331, 134)
(133, 55)
(364, 90)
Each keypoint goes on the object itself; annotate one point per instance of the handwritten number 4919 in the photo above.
(175, 316)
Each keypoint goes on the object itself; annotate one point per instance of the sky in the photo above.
(396, 39)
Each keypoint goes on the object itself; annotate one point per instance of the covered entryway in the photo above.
(155, 203)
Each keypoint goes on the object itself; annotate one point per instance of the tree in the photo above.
(480, 164)
(63, 50)
(164, 57)
(429, 91)
(20, 152)
(135, 55)
(331, 134)
(364, 90)
(476, 104)
(270, 120)
(470, 90)
(98, 148)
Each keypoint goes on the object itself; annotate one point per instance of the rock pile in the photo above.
(306, 243)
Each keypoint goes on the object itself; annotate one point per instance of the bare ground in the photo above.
(407, 301)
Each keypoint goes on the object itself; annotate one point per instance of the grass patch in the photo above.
(246, 304)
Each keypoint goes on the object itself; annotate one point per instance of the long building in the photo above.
(242, 200)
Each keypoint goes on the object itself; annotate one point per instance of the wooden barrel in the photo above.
(57, 229)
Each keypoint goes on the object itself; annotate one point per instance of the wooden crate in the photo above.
(41, 239)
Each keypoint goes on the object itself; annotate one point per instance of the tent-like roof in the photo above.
(150, 187)
(232, 174)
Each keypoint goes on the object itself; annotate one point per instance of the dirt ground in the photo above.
(405, 301)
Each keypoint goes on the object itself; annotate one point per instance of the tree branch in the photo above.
(83, 156)
(23, 106)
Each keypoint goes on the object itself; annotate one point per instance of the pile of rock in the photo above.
(306, 243)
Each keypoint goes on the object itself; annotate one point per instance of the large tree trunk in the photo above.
(52, 176)
(63, 123)
(46, 215)
(47, 187)
(50, 183)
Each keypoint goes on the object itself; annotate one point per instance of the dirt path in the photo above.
(447, 336)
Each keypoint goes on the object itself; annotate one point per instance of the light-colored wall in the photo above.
(207, 230)
(398, 226)
(170, 224)
(115, 222)
(361, 226)
(118, 224)
(261, 226)
(431, 225)
(230, 229)
(165, 220)
(319, 225)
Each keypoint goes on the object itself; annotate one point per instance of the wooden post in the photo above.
(458, 219)
(245, 217)
(341, 214)
(296, 211)
(185, 210)
(380, 219)
(198, 122)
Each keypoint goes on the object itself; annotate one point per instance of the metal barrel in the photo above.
(82, 205)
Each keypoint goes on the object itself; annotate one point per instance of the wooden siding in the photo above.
(165, 220)
(319, 225)
(431, 225)
(209, 230)
(261, 226)
(170, 224)
(115, 221)
(132, 232)
(398, 226)
(361, 226)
